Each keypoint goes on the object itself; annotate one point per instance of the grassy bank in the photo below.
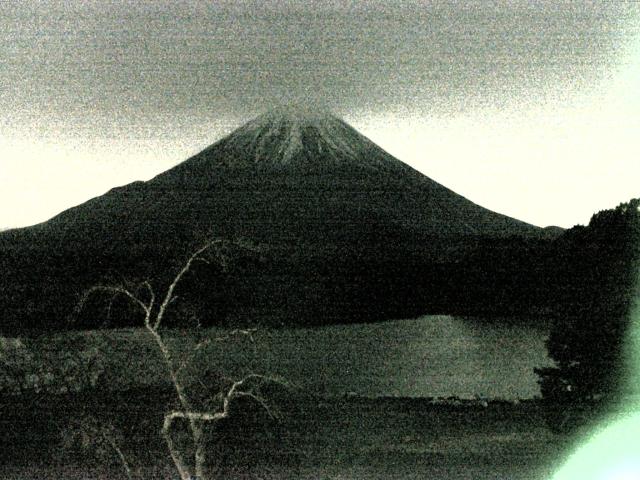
(316, 438)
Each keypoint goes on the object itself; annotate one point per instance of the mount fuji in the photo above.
(333, 209)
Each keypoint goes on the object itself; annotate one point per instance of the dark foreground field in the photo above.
(350, 438)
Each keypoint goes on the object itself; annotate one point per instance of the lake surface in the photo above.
(431, 356)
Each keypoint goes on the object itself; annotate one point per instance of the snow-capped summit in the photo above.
(299, 137)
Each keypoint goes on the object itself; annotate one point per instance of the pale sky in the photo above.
(531, 109)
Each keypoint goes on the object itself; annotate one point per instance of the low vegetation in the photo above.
(71, 363)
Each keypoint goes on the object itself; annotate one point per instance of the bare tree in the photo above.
(195, 416)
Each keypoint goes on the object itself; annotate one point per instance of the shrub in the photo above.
(66, 364)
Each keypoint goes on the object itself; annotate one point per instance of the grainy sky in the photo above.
(528, 108)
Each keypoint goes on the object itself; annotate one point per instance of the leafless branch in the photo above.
(261, 401)
(263, 378)
(178, 277)
(123, 459)
(187, 361)
(237, 331)
(115, 290)
(205, 343)
(244, 388)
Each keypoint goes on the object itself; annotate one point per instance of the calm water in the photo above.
(436, 356)
(430, 356)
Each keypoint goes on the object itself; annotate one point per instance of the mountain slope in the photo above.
(306, 164)
(317, 192)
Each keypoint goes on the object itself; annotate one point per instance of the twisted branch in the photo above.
(196, 419)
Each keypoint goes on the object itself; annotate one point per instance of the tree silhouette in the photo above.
(194, 411)
(598, 265)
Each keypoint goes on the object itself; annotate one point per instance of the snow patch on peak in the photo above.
(282, 134)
